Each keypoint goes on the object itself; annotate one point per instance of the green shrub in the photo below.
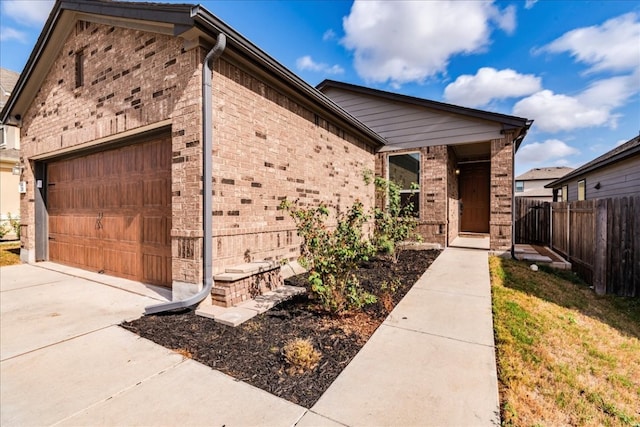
(332, 255)
(394, 223)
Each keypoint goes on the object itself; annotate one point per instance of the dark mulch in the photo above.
(252, 352)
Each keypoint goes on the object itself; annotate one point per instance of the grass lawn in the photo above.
(9, 253)
(566, 356)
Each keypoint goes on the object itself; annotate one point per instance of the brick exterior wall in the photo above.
(269, 147)
(434, 176)
(266, 146)
(501, 196)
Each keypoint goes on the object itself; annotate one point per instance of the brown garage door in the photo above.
(110, 211)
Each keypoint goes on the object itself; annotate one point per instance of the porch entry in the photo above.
(474, 189)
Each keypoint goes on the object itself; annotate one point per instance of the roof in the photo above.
(553, 172)
(628, 149)
(8, 80)
(193, 22)
(508, 122)
(535, 192)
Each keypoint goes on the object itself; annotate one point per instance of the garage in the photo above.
(110, 211)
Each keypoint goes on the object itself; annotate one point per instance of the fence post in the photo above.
(600, 255)
(551, 225)
(569, 231)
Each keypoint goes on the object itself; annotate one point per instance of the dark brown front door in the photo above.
(110, 211)
(474, 197)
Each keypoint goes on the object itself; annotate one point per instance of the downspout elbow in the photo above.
(207, 177)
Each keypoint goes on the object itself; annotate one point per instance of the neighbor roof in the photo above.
(628, 149)
(553, 172)
(8, 81)
(186, 20)
(508, 122)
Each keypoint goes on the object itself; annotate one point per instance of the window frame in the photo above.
(584, 189)
(516, 186)
(416, 191)
(565, 193)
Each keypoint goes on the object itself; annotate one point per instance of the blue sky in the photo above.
(572, 66)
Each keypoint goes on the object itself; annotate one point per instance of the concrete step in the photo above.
(240, 313)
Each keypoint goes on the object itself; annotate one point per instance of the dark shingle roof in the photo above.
(8, 81)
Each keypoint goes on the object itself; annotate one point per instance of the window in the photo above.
(79, 69)
(404, 170)
(3, 139)
(565, 193)
(519, 186)
(582, 190)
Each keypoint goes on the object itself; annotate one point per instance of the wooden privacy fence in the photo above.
(601, 238)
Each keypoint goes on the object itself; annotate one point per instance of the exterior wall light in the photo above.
(17, 169)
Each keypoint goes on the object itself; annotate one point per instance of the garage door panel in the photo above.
(157, 268)
(131, 193)
(111, 211)
(155, 193)
(124, 262)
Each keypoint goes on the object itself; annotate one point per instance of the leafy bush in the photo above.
(11, 223)
(15, 224)
(394, 223)
(332, 255)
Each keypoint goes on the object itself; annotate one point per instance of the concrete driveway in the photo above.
(64, 360)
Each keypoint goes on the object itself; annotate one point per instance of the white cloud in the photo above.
(591, 108)
(488, 84)
(29, 12)
(506, 19)
(329, 35)
(409, 41)
(612, 46)
(529, 3)
(556, 112)
(7, 34)
(307, 63)
(550, 151)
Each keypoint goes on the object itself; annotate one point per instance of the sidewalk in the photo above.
(432, 362)
(64, 360)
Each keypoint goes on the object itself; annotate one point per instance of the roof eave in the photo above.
(181, 17)
(580, 171)
(248, 49)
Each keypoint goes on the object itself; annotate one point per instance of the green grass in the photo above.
(565, 355)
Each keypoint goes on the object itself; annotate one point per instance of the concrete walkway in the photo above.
(432, 362)
(65, 362)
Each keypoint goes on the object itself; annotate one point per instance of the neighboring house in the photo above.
(614, 174)
(461, 158)
(531, 184)
(116, 109)
(9, 157)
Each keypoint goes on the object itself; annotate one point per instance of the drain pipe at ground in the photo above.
(207, 187)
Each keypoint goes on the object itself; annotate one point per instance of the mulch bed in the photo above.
(252, 352)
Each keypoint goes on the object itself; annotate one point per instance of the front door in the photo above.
(474, 197)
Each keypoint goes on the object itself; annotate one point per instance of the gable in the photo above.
(406, 125)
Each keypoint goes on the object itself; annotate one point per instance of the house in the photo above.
(531, 184)
(158, 143)
(462, 159)
(614, 174)
(9, 156)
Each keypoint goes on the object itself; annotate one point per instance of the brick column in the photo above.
(501, 199)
